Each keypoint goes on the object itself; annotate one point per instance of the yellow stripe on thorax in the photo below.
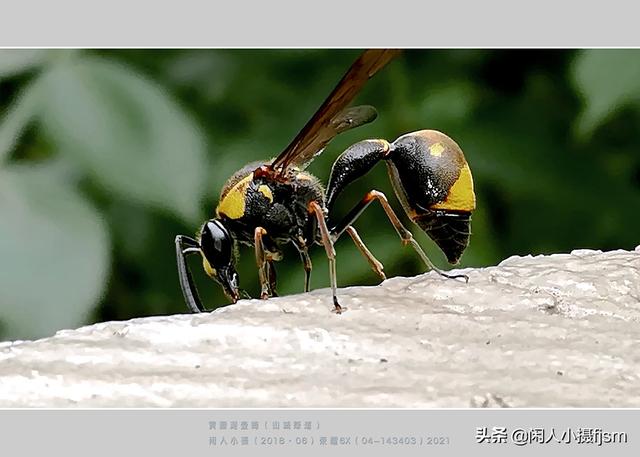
(264, 190)
(233, 203)
(461, 196)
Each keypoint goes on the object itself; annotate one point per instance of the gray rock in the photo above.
(546, 331)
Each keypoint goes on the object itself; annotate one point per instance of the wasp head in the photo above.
(218, 259)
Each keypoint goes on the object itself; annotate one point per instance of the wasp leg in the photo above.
(185, 246)
(271, 268)
(315, 208)
(261, 260)
(375, 264)
(306, 263)
(405, 235)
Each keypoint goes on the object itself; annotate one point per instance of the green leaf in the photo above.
(17, 117)
(128, 133)
(608, 79)
(54, 254)
(451, 103)
(16, 61)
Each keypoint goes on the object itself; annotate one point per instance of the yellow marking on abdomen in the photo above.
(436, 149)
(233, 203)
(461, 196)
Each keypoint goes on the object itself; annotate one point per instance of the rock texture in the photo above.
(546, 331)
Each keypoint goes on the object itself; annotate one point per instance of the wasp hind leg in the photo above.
(327, 242)
(405, 235)
(185, 246)
(375, 264)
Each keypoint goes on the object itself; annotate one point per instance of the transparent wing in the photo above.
(332, 118)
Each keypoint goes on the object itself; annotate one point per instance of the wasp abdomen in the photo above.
(433, 182)
(353, 163)
(450, 231)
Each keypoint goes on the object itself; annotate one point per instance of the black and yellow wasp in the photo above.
(268, 204)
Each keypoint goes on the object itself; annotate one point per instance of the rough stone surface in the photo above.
(546, 331)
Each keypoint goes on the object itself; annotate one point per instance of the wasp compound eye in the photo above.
(216, 244)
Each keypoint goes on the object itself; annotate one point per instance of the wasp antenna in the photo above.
(184, 247)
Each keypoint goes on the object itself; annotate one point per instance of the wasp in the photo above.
(269, 204)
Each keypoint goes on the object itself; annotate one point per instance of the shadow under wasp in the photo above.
(271, 203)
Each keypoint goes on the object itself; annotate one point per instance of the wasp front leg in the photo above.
(271, 275)
(266, 269)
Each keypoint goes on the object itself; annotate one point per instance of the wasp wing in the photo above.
(332, 118)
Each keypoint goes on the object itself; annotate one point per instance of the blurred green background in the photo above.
(106, 155)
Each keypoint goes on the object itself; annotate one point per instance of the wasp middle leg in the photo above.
(316, 210)
(306, 264)
(271, 269)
